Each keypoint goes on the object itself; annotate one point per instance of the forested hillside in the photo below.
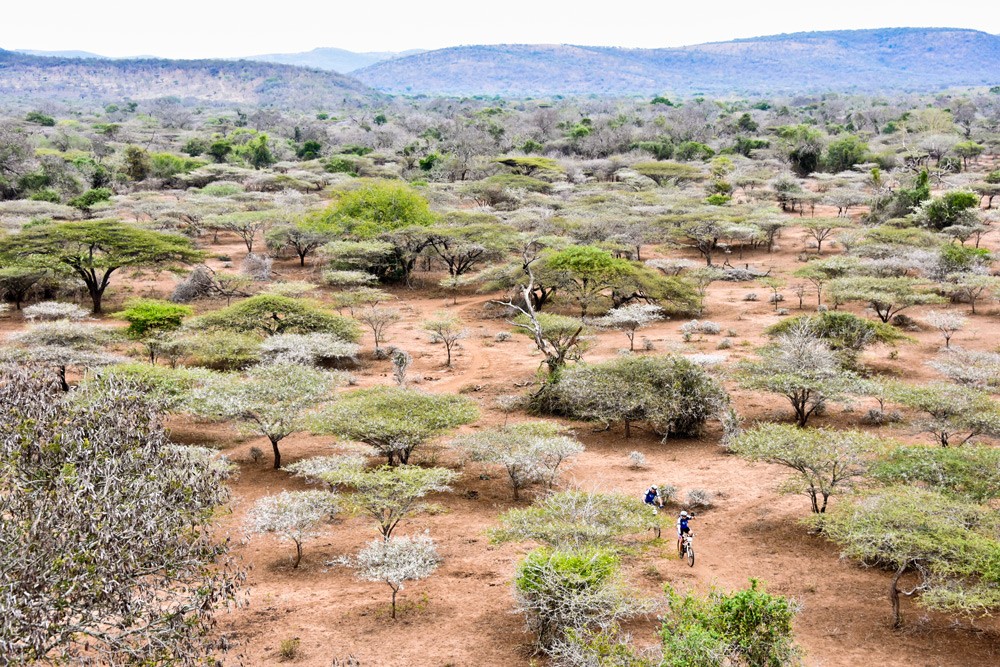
(855, 60)
(27, 77)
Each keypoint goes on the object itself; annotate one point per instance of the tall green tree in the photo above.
(93, 250)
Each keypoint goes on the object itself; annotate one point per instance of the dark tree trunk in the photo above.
(277, 453)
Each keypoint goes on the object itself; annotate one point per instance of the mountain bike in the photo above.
(687, 548)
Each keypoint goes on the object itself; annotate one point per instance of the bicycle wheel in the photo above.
(690, 551)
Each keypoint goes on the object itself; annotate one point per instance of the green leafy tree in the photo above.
(803, 369)
(564, 591)
(270, 400)
(843, 153)
(951, 208)
(146, 317)
(303, 238)
(137, 164)
(394, 421)
(670, 394)
(588, 272)
(93, 250)
(387, 494)
(803, 146)
(149, 320)
(825, 461)
(268, 315)
(90, 198)
(17, 282)
(376, 207)
(886, 296)
(950, 545)
(845, 333)
(257, 152)
(971, 472)
(953, 414)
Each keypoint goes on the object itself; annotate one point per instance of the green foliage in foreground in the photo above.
(749, 627)
(563, 590)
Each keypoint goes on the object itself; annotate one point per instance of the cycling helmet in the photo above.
(654, 487)
(684, 513)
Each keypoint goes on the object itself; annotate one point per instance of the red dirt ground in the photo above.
(462, 615)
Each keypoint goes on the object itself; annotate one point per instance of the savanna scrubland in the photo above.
(385, 384)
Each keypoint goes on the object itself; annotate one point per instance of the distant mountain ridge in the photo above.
(71, 79)
(336, 60)
(327, 58)
(848, 60)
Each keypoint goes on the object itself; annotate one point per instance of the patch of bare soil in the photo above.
(462, 615)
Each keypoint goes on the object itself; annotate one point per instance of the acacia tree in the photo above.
(886, 296)
(530, 452)
(577, 519)
(821, 228)
(94, 249)
(107, 549)
(972, 287)
(392, 420)
(825, 460)
(950, 545)
(671, 394)
(292, 516)
(378, 319)
(16, 282)
(149, 320)
(969, 367)
(953, 413)
(447, 329)
(588, 272)
(803, 369)
(61, 345)
(630, 318)
(269, 315)
(303, 237)
(397, 560)
(270, 400)
(946, 323)
(387, 494)
(971, 473)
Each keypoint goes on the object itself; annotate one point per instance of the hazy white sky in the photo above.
(223, 28)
